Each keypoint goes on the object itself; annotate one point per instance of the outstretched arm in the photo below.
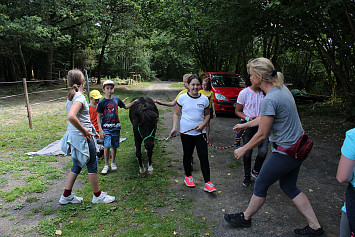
(263, 131)
(127, 106)
(242, 126)
(169, 104)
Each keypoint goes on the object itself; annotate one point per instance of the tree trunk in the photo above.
(49, 63)
(101, 59)
(11, 70)
(72, 51)
(349, 18)
(276, 50)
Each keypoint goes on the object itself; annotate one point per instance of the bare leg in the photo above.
(302, 203)
(69, 183)
(94, 182)
(106, 155)
(113, 154)
(254, 205)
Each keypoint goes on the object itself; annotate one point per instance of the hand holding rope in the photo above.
(204, 137)
(208, 142)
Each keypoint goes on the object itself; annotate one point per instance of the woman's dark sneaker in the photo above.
(309, 232)
(237, 220)
(247, 181)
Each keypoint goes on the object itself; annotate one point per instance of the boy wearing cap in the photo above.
(95, 97)
(109, 123)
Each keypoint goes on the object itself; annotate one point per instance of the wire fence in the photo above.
(10, 109)
(13, 105)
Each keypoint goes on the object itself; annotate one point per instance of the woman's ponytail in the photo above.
(278, 79)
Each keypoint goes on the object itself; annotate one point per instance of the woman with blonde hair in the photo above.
(280, 122)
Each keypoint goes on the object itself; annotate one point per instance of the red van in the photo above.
(226, 87)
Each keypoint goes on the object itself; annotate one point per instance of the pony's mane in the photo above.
(147, 111)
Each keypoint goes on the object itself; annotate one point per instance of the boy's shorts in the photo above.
(112, 139)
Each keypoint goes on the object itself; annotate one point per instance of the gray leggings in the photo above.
(278, 167)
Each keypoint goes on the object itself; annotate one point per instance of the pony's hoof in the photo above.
(142, 172)
(150, 169)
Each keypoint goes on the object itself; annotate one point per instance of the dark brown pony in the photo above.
(144, 118)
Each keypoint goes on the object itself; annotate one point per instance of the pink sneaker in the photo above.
(189, 181)
(209, 187)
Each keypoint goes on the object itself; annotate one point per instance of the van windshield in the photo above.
(227, 80)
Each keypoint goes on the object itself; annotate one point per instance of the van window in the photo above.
(227, 80)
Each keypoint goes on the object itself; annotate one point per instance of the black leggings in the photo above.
(188, 144)
(278, 167)
(262, 151)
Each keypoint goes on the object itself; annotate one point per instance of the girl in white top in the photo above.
(194, 110)
(247, 109)
(79, 142)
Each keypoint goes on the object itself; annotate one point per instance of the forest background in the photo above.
(311, 42)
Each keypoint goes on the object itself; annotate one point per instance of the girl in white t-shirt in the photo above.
(194, 110)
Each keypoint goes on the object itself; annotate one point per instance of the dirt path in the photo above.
(278, 217)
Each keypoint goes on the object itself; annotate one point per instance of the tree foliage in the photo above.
(312, 42)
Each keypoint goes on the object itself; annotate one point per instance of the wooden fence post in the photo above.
(27, 103)
(87, 85)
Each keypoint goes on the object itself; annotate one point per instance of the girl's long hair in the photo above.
(264, 67)
(75, 79)
(208, 83)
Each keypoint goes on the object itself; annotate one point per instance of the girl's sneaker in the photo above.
(104, 170)
(113, 166)
(209, 187)
(254, 174)
(103, 198)
(247, 181)
(70, 199)
(189, 181)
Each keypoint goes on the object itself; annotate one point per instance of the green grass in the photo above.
(235, 165)
(32, 199)
(178, 84)
(142, 207)
(5, 214)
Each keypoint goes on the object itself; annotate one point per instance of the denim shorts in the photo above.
(92, 163)
(111, 140)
